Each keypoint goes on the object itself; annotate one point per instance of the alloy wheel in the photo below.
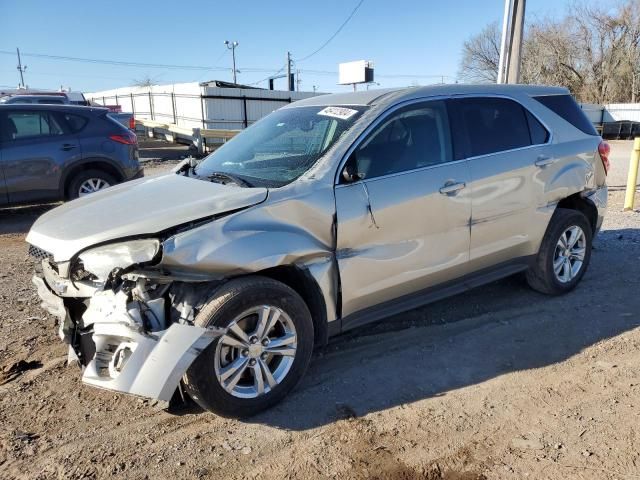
(92, 185)
(569, 254)
(256, 353)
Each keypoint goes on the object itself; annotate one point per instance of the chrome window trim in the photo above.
(404, 172)
(385, 114)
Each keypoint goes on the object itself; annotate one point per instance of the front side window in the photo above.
(414, 137)
(26, 124)
(490, 125)
(282, 146)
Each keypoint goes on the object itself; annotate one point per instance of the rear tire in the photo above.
(284, 347)
(564, 253)
(82, 183)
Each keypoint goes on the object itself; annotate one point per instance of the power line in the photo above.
(272, 71)
(353, 12)
(226, 50)
(398, 75)
(267, 78)
(130, 64)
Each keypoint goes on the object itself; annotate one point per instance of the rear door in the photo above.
(39, 144)
(506, 147)
(405, 226)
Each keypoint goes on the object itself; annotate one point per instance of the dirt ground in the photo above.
(497, 383)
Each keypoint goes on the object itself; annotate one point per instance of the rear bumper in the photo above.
(599, 198)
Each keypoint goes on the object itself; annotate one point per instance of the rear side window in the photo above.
(566, 107)
(489, 125)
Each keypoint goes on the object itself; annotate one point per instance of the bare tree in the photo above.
(145, 82)
(593, 51)
(480, 56)
(550, 55)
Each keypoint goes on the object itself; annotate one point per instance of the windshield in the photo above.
(280, 147)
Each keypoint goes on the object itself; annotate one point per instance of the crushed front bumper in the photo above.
(128, 359)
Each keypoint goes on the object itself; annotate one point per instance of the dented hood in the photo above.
(140, 207)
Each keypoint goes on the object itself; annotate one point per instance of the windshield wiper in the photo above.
(227, 176)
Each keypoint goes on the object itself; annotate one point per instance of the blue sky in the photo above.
(402, 37)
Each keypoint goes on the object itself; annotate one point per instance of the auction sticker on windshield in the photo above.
(338, 112)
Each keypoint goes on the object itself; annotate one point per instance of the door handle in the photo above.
(544, 160)
(451, 188)
(67, 146)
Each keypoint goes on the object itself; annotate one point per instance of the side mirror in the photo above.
(350, 172)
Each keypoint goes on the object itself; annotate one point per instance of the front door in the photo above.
(404, 226)
(37, 147)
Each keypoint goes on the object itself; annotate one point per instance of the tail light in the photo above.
(128, 138)
(132, 123)
(603, 150)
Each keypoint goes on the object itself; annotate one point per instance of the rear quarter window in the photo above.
(75, 122)
(539, 133)
(567, 108)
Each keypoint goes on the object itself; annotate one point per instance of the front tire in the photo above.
(564, 253)
(263, 355)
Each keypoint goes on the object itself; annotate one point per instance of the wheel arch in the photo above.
(305, 285)
(102, 164)
(583, 205)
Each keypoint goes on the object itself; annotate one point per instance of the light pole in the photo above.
(511, 41)
(232, 46)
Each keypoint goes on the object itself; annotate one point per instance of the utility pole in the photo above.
(511, 41)
(232, 46)
(289, 82)
(21, 69)
(513, 74)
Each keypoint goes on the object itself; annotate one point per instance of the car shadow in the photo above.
(465, 340)
(19, 219)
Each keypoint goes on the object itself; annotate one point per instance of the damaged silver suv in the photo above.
(218, 279)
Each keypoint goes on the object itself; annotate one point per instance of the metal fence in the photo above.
(195, 111)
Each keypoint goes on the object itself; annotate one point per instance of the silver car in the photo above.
(218, 279)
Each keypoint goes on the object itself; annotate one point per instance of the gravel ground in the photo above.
(500, 382)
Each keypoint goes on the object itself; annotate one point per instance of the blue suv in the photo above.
(61, 152)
